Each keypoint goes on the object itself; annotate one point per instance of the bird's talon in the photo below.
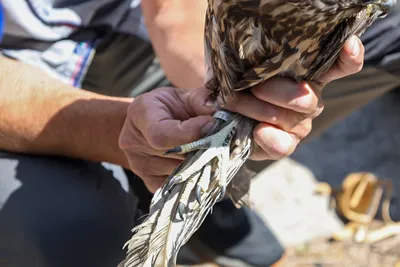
(166, 192)
(222, 194)
(198, 194)
(196, 145)
(173, 150)
(181, 211)
(172, 182)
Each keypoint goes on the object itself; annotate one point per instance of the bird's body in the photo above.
(249, 41)
(246, 43)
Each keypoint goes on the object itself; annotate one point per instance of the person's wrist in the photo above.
(101, 132)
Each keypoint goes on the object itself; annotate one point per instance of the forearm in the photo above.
(39, 114)
(176, 28)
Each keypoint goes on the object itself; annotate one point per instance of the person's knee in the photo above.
(67, 212)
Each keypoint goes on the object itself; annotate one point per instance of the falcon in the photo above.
(246, 43)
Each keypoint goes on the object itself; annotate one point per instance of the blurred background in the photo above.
(366, 141)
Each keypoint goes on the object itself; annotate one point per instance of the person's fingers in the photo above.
(285, 93)
(170, 133)
(153, 182)
(198, 102)
(262, 111)
(153, 170)
(132, 140)
(160, 123)
(350, 61)
(145, 165)
(274, 142)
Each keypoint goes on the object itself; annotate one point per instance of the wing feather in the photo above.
(334, 43)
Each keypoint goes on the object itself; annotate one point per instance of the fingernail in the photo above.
(210, 103)
(207, 127)
(220, 101)
(355, 46)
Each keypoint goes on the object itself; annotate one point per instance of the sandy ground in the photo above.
(284, 197)
(284, 194)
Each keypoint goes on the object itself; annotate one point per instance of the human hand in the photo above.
(286, 109)
(169, 117)
(159, 120)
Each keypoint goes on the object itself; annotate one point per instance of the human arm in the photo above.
(41, 115)
(176, 29)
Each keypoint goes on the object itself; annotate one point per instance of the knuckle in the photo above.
(317, 111)
(275, 143)
(359, 67)
(307, 128)
(156, 138)
(137, 166)
(282, 149)
(123, 143)
(353, 65)
(257, 91)
(280, 152)
(136, 104)
(130, 139)
(276, 115)
(307, 102)
(304, 129)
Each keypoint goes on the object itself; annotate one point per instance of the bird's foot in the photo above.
(205, 143)
(209, 164)
(212, 145)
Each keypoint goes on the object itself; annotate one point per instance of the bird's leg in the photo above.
(223, 163)
(213, 146)
(183, 201)
(206, 142)
(204, 182)
(197, 145)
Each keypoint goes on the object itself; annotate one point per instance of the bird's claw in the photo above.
(181, 211)
(198, 194)
(197, 145)
(177, 150)
(207, 142)
(206, 166)
(171, 183)
(222, 193)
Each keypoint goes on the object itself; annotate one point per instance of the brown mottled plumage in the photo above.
(249, 41)
(246, 43)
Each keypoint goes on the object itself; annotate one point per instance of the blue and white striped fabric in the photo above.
(38, 32)
(1, 21)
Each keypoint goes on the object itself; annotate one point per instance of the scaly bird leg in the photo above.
(203, 183)
(185, 195)
(223, 163)
(213, 146)
(208, 141)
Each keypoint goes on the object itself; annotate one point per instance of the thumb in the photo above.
(200, 103)
(173, 133)
(197, 127)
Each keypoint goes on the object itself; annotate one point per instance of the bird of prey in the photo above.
(246, 43)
